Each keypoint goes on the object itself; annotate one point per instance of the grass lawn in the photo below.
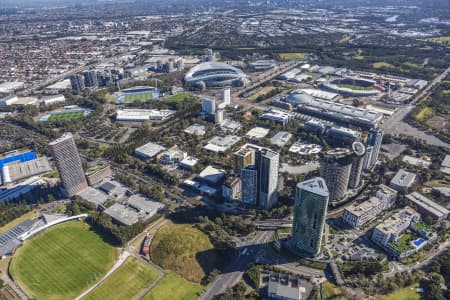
(403, 243)
(356, 87)
(177, 97)
(407, 293)
(438, 183)
(62, 262)
(425, 113)
(440, 39)
(313, 75)
(138, 97)
(66, 116)
(128, 282)
(185, 250)
(28, 216)
(330, 291)
(288, 56)
(263, 91)
(412, 65)
(382, 64)
(173, 287)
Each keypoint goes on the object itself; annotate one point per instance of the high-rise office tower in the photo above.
(367, 157)
(77, 82)
(374, 139)
(311, 201)
(357, 165)
(226, 96)
(209, 106)
(68, 163)
(267, 162)
(243, 158)
(335, 167)
(90, 78)
(219, 116)
(249, 185)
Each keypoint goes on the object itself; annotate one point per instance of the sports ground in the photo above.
(180, 289)
(141, 97)
(128, 282)
(62, 262)
(66, 116)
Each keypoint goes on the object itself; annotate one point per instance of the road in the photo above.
(75, 70)
(257, 252)
(396, 126)
(397, 268)
(236, 268)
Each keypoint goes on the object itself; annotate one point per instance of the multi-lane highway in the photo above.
(75, 70)
(237, 266)
(396, 126)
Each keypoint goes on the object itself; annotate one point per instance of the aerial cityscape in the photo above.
(225, 150)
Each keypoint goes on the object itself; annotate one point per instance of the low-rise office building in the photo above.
(196, 129)
(387, 234)
(357, 214)
(428, 207)
(281, 138)
(171, 156)
(142, 115)
(149, 150)
(387, 195)
(221, 144)
(278, 116)
(211, 175)
(98, 173)
(189, 162)
(402, 180)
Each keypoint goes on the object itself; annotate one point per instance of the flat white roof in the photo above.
(257, 132)
(149, 150)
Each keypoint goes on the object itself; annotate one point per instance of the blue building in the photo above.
(19, 155)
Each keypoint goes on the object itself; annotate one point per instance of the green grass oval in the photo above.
(62, 262)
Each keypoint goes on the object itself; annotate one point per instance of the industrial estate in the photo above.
(225, 150)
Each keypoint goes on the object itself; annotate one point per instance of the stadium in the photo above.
(138, 94)
(353, 87)
(214, 75)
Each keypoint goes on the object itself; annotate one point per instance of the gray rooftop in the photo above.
(316, 185)
(281, 138)
(428, 205)
(403, 178)
(122, 214)
(141, 203)
(93, 195)
(9, 241)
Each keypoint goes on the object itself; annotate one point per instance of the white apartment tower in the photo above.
(226, 97)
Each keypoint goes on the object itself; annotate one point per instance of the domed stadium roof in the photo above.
(299, 97)
(214, 74)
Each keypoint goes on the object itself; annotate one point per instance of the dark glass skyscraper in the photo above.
(311, 201)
